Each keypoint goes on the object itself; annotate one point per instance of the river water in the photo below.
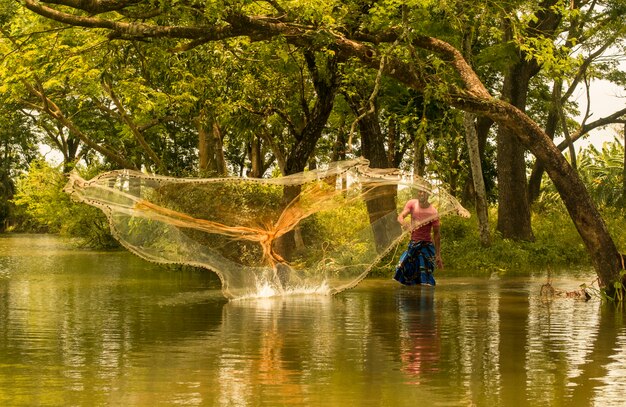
(88, 328)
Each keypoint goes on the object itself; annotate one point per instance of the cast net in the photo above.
(318, 231)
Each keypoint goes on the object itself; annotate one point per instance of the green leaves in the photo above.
(49, 209)
(603, 172)
(252, 87)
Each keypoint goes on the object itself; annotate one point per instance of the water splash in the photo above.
(267, 290)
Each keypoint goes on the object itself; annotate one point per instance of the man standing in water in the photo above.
(417, 263)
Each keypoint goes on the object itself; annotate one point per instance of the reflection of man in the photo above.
(417, 263)
(419, 336)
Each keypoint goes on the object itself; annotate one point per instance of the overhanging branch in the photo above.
(125, 29)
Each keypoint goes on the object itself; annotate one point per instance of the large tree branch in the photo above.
(260, 28)
(155, 122)
(446, 51)
(96, 6)
(130, 30)
(58, 142)
(582, 70)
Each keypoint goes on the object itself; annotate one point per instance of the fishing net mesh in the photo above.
(314, 232)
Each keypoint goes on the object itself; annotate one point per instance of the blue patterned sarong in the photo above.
(417, 264)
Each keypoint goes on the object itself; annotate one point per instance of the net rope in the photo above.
(318, 231)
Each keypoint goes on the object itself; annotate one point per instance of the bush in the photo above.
(557, 245)
(45, 208)
(614, 218)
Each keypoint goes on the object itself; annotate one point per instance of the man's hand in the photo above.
(439, 261)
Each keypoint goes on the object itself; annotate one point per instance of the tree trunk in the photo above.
(7, 189)
(71, 145)
(307, 139)
(419, 157)
(482, 127)
(218, 149)
(513, 206)
(339, 154)
(339, 147)
(392, 141)
(373, 148)
(203, 149)
(210, 148)
(256, 159)
(388, 229)
(479, 183)
(624, 171)
(326, 88)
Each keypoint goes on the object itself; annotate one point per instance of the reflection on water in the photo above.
(99, 328)
(418, 333)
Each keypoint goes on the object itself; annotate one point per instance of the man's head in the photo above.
(422, 197)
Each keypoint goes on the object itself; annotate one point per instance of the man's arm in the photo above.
(405, 211)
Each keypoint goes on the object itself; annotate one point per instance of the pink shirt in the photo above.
(422, 219)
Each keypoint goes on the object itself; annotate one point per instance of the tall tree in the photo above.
(513, 206)
(623, 202)
(325, 78)
(363, 101)
(474, 151)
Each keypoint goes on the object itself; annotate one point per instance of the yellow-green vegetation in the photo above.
(556, 245)
(46, 208)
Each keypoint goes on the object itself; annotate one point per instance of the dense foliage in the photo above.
(47, 208)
